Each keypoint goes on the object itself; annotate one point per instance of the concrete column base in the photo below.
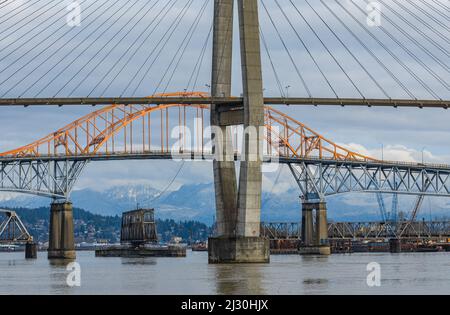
(61, 234)
(227, 250)
(395, 245)
(30, 250)
(324, 250)
(61, 254)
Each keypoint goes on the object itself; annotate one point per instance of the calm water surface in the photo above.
(407, 273)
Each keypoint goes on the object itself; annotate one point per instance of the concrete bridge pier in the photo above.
(314, 232)
(238, 208)
(61, 234)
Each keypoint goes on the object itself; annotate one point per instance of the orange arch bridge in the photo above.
(51, 165)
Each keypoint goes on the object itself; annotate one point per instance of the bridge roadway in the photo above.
(231, 101)
(191, 155)
(54, 176)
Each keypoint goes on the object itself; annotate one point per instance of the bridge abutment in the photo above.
(314, 232)
(61, 234)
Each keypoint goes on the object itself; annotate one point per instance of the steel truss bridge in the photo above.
(12, 230)
(363, 230)
(51, 165)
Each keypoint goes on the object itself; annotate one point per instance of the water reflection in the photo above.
(60, 262)
(239, 279)
(58, 275)
(151, 261)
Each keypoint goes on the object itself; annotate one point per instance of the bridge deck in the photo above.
(236, 101)
(157, 155)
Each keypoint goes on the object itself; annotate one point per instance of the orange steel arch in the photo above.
(127, 129)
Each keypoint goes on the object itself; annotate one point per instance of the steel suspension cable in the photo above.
(417, 43)
(41, 42)
(126, 51)
(183, 46)
(374, 56)
(297, 70)
(196, 71)
(55, 77)
(53, 54)
(334, 58)
(18, 7)
(166, 38)
(110, 40)
(386, 48)
(327, 49)
(272, 65)
(155, 46)
(350, 52)
(32, 19)
(421, 82)
(413, 55)
(167, 7)
(428, 15)
(307, 49)
(35, 32)
(6, 3)
(439, 4)
(166, 188)
(432, 8)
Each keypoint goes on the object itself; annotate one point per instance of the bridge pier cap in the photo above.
(238, 207)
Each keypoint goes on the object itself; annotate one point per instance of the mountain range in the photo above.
(196, 202)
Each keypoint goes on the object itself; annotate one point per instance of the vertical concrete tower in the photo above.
(238, 210)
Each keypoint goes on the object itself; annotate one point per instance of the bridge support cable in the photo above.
(411, 54)
(372, 78)
(272, 64)
(441, 5)
(307, 49)
(29, 18)
(195, 74)
(74, 59)
(25, 38)
(109, 51)
(441, 63)
(52, 35)
(388, 50)
(436, 11)
(4, 4)
(153, 26)
(158, 48)
(181, 50)
(280, 37)
(420, 19)
(20, 9)
(120, 58)
(371, 52)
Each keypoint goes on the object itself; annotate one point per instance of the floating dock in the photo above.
(154, 251)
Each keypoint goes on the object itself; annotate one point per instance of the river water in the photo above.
(406, 273)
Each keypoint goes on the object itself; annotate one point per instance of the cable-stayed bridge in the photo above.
(109, 52)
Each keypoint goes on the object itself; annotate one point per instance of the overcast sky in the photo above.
(405, 133)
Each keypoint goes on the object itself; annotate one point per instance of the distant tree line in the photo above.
(108, 227)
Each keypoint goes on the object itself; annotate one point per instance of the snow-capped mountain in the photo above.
(196, 202)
